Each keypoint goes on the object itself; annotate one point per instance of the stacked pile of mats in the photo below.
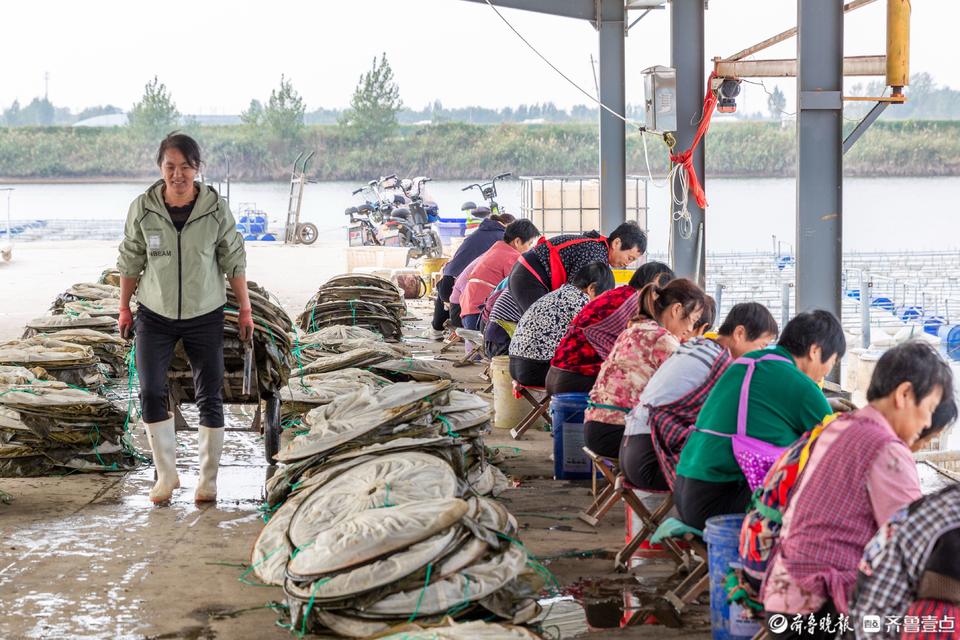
(48, 427)
(356, 300)
(73, 364)
(377, 518)
(85, 315)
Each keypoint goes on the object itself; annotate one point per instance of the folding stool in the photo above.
(608, 496)
(651, 521)
(539, 410)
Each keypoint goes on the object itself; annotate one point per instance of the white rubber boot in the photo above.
(163, 444)
(211, 446)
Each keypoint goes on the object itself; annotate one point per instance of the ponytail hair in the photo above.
(654, 299)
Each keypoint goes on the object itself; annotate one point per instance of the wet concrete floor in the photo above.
(88, 555)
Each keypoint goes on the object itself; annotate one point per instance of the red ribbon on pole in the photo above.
(685, 158)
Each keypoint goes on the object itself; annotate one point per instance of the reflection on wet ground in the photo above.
(89, 556)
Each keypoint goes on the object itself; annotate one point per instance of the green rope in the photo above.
(464, 603)
(109, 467)
(426, 583)
(611, 407)
(353, 312)
(306, 614)
(449, 432)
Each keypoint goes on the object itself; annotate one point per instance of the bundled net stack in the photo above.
(48, 427)
(52, 324)
(110, 349)
(393, 539)
(73, 364)
(341, 339)
(305, 392)
(356, 300)
(92, 298)
(375, 420)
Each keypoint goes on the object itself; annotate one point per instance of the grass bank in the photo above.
(456, 151)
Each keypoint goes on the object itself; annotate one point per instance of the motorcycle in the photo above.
(414, 221)
(367, 218)
(488, 190)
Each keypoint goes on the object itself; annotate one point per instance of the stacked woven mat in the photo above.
(48, 427)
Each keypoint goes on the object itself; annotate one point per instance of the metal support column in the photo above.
(687, 56)
(819, 155)
(613, 148)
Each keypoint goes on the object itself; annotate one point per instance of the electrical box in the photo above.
(660, 91)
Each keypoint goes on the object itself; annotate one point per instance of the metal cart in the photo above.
(239, 387)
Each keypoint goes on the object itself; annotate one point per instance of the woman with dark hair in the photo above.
(667, 316)
(492, 267)
(777, 403)
(860, 472)
(591, 335)
(658, 426)
(552, 263)
(180, 241)
(476, 244)
(542, 327)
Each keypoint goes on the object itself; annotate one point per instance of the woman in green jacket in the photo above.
(180, 241)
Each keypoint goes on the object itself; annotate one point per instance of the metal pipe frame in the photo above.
(613, 137)
(688, 257)
(819, 155)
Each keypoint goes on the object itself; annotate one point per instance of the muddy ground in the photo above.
(88, 556)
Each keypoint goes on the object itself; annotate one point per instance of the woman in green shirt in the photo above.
(784, 402)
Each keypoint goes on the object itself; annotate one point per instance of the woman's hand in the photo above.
(125, 322)
(245, 324)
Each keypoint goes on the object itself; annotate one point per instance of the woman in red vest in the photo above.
(552, 263)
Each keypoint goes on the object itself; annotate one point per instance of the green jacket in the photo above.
(181, 273)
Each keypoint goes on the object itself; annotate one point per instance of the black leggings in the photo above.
(524, 287)
(639, 463)
(561, 381)
(440, 312)
(603, 438)
(202, 337)
(529, 373)
(697, 500)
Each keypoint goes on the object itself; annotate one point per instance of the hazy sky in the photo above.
(216, 55)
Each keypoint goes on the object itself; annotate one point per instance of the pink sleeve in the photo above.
(892, 482)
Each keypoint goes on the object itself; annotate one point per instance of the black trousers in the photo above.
(455, 321)
(440, 312)
(525, 287)
(202, 338)
(603, 438)
(639, 463)
(529, 373)
(697, 500)
(560, 381)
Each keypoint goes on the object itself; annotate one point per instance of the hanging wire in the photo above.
(576, 86)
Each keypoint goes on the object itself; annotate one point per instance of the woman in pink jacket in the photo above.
(492, 267)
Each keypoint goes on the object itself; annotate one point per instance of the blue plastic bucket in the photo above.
(569, 460)
(950, 340)
(729, 621)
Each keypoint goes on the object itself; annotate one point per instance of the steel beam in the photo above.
(863, 125)
(583, 9)
(613, 147)
(819, 155)
(687, 55)
(787, 68)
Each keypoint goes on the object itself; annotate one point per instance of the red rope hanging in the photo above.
(685, 158)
